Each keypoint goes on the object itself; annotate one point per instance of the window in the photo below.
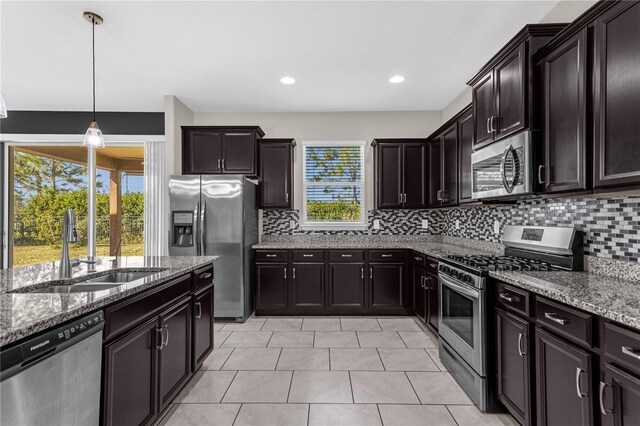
(333, 185)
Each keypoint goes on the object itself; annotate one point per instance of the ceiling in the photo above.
(229, 56)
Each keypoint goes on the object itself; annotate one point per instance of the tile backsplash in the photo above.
(611, 225)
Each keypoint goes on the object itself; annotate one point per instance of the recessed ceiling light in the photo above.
(287, 80)
(396, 79)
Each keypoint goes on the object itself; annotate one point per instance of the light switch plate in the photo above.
(496, 227)
(425, 224)
(376, 223)
(457, 223)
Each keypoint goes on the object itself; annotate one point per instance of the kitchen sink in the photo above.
(74, 288)
(118, 277)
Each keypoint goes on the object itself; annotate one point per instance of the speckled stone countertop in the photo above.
(23, 314)
(431, 246)
(610, 297)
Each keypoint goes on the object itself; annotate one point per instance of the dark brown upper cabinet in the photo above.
(465, 148)
(502, 91)
(616, 96)
(400, 173)
(220, 149)
(276, 169)
(564, 116)
(443, 168)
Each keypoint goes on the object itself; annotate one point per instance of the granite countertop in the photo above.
(23, 314)
(613, 298)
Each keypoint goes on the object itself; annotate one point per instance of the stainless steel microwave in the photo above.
(503, 169)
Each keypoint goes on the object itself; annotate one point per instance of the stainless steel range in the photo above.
(466, 304)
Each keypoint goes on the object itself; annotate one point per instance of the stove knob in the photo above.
(455, 273)
(466, 278)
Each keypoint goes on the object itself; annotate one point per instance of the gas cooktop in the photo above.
(500, 263)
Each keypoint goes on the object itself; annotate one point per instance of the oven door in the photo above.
(503, 169)
(461, 321)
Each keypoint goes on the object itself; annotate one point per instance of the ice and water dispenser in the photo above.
(182, 229)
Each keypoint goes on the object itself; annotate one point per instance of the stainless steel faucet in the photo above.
(114, 262)
(69, 235)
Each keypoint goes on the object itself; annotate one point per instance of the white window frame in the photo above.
(310, 225)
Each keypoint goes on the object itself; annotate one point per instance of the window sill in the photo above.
(333, 227)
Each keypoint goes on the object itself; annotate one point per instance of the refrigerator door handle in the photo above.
(203, 226)
(197, 231)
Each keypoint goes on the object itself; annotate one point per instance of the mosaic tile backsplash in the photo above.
(611, 226)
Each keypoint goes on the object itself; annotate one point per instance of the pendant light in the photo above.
(3, 108)
(93, 137)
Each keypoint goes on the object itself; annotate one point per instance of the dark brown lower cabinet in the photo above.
(433, 305)
(130, 377)
(272, 286)
(346, 285)
(174, 355)
(564, 376)
(419, 275)
(307, 285)
(202, 326)
(386, 285)
(513, 365)
(619, 397)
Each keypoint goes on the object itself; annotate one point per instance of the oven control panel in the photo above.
(460, 275)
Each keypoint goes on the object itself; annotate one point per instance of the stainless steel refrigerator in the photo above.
(217, 215)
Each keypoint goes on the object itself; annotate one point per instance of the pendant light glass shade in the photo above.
(3, 108)
(93, 137)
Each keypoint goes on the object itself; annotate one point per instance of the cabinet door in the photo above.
(271, 285)
(449, 193)
(510, 94)
(415, 176)
(433, 304)
(202, 326)
(514, 370)
(201, 152)
(275, 176)
(389, 176)
(435, 171)
(465, 148)
(483, 106)
(562, 370)
(174, 358)
(386, 285)
(307, 285)
(617, 96)
(239, 153)
(564, 113)
(130, 377)
(619, 397)
(346, 285)
(419, 293)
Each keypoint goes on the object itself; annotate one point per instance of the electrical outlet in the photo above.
(376, 223)
(496, 227)
(425, 224)
(457, 223)
(292, 224)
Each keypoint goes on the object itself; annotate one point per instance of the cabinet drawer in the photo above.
(622, 346)
(386, 255)
(569, 322)
(271, 256)
(124, 316)
(419, 259)
(346, 255)
(202, 277)
(512, 298)
(308, 255)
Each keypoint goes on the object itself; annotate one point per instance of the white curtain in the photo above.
(155, 240)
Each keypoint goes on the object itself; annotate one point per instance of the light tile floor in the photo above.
(325, 371)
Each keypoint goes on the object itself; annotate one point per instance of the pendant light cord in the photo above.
(93, 51)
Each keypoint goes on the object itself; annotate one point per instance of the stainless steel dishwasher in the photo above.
(54, 378)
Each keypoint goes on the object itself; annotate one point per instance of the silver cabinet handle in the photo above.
(541, 179)
(159, 332)
(223, 163)
(603, 410)
(165, 342)
(520, 351)
(347, 255)
(554, 317)
(199, 306)
(287, 197)
(294, 273)
(285, 272)
(404, 198)
(371, 273)
(422, 281)
(206, 276)
(362, 273)
(492, 119)
(271, 255)
(387, 255)
(399, 197)
(632, 352)
(488, 128)
(578, 390)
(508, 297)
(219, 166)
(307, 255)
(418, 258)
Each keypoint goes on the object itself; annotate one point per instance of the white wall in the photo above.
(332, 126)
(456, 105)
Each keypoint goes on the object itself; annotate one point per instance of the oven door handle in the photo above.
(475, 294)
